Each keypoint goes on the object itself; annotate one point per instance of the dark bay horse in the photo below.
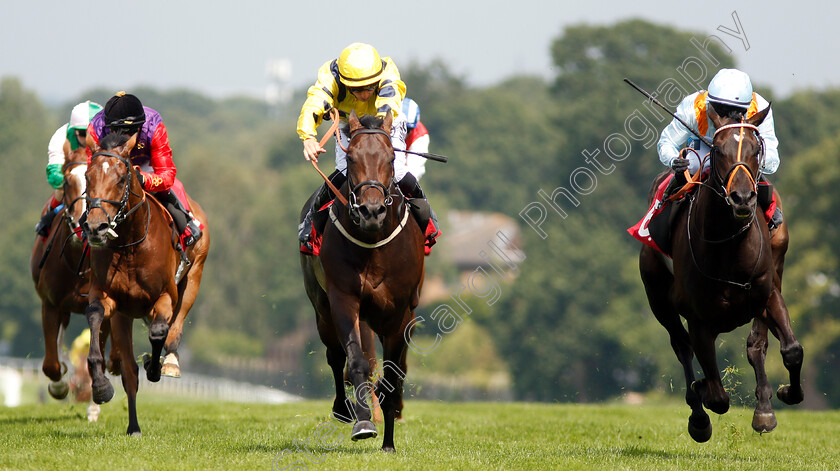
(133, 268)
(60, 269)
(726, 272)
(370, 269)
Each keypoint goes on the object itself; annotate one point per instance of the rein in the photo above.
(727, 179)
(122, 214)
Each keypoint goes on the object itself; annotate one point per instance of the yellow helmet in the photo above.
(359, 64)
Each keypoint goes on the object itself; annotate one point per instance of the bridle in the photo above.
(361, 187)
(122, 205)
(725, 183)
(740, 164)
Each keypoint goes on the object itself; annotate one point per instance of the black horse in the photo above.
(724, 275)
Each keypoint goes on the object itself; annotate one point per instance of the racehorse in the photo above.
(134, 268)
(370, 268)
(724, 276)
(60, 270)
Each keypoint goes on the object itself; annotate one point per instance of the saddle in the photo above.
(654, 229)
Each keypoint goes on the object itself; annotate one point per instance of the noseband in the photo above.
(122, 212)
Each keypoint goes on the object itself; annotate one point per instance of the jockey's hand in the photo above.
(311, 149)
(679, 165)
(140, 177)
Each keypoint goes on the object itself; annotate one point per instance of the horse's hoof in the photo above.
(102, 392)
(168, 369)
(790, 398)
(93, 412)
(58, 389)
(389, 449)
(134, 433)
(170, 366)
(115, 367)
(362, 430)
(701, 433)
(764, 422)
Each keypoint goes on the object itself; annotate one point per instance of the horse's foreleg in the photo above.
(710, 388)
(658, 284)
(764, 419)
(158, 330)
(52, 368)
(393, 373)
(778, 320)
(114, 361)
(345, 312)
(176, 328)
(121, 327)
(336, 358)
(369, 349)
(96, 312)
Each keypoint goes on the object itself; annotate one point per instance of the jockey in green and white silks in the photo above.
(73, 132)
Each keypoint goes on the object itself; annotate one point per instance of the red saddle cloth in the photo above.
(315, 239)
(653, 229)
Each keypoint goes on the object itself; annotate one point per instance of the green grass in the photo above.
(180, 434)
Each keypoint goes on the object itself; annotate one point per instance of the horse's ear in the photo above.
(91, 144)
(354, 121)
(714, 116)
(387, 122)
(131, 142)
(759, 117)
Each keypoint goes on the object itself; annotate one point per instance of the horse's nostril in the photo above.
(102, 227)
(381, 210)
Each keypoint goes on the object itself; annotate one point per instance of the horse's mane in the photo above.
(113, 139)
(367, 121)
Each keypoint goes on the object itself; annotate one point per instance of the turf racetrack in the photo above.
(180, 434)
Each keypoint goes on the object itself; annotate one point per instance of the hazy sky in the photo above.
(61, 48)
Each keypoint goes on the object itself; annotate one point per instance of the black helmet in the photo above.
(124, 110)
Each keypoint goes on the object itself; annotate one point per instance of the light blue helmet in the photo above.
(411, 112)
(731, 87)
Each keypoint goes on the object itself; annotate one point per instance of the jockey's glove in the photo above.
(679, 165)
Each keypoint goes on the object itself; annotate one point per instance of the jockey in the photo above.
(74, 134)
(417, 139)
(151, 156)
(361, 81)
(730, 94)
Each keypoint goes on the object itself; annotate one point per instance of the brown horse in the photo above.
(723, 276)
(60, 270)
(134, 266)
(370, 269)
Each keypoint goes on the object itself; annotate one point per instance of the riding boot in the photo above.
(765, 199)
(186, 225)
(422, 211)
(322, 197)
(43, 226)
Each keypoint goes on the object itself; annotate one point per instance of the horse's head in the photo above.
(110, 180)
(736, 156)
(370, 169)
(75, 165)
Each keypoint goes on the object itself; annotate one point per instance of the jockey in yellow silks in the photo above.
(358, 80)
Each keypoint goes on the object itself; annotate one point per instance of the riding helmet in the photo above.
(359, 64)
(731, 87)
(124, 110)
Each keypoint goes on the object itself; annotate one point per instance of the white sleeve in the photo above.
(675, 136)
(55, 149)
(767, 130)
(417, 164)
